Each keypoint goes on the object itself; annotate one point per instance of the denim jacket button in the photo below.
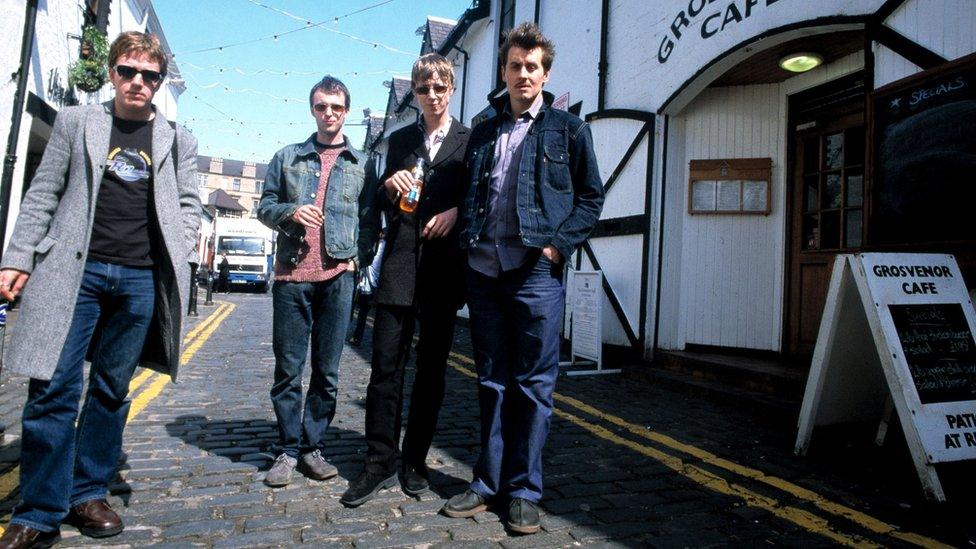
(317, 174)
(312, 195)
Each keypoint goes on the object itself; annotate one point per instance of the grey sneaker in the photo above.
(280, 472)
(315, 467)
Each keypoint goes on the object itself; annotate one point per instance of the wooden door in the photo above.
(827, 214)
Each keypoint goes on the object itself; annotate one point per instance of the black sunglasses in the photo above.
(336, 109)
(439, 89)
(148, 76)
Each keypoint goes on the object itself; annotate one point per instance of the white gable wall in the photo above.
(576, 66)
(942, 26)
(478, 42)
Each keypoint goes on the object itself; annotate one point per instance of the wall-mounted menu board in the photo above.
(923, 157)
(939, 350)
(730, 186)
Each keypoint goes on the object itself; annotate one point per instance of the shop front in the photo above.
(792, 132)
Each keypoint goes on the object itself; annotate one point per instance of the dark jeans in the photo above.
(515, 324)
(62, 465)
(303, 309)
(392, 336)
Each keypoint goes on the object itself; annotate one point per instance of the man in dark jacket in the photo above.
(534, 196)
(419, 278)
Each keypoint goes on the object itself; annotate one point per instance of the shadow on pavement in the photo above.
(253, 441)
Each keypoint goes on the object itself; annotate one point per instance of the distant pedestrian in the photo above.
(314, 274)
(534, 196)
(223, 274)
(112, 285)
(420, 282)
(365, 289)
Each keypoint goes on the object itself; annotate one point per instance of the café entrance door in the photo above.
(825, 197)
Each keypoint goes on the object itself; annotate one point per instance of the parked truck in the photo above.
(249, 246)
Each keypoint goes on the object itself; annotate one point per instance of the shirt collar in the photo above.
(440, 135)
(532, 112)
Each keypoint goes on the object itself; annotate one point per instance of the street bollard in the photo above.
(209, 300)
(194, 287)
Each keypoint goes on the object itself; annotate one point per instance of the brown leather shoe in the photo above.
(18, 536)
(96, 519)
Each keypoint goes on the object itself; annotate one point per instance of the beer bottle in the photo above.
(409, 201)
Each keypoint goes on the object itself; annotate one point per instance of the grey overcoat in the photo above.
(51, 236)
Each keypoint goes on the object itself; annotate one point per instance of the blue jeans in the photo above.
(302, 309)
(515, 324)
(60, 465)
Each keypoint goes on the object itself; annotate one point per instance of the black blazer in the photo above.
(418, 271)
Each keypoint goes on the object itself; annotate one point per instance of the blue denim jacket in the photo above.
(560, 194)
(293, 177)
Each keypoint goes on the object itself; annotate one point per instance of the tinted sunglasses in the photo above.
(439, 89)
(148, 76)
(337, 110)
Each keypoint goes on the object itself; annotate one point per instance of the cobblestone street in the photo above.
(628, 463)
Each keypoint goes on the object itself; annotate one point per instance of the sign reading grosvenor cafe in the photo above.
(692, 33)
(916, 311)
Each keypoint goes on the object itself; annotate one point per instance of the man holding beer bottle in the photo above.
(423, 186)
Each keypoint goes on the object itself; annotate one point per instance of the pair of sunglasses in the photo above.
(148, 76)
(439, 89)
(337, 110)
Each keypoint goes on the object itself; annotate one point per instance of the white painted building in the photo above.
(786, 171)
(56, 45)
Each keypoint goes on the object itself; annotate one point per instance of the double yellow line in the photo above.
(805, 519)
(194, 339)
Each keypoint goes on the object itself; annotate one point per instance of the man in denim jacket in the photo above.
(315, 196)
(535, 194)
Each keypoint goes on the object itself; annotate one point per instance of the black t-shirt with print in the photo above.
(124, 230)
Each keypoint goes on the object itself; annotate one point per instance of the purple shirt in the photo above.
(501, 248)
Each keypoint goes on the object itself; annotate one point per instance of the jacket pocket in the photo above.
(44, 246)
(556, 161)
(296, 181)
(353, 179)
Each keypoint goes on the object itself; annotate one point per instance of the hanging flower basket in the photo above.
(90, 73)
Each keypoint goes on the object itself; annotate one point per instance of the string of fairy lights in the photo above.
(307, 26)
(261, 131)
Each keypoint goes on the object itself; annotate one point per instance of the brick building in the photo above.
(242, 180)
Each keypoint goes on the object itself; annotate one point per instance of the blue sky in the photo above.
(247, 101)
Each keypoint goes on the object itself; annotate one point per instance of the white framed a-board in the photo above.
(897, 332)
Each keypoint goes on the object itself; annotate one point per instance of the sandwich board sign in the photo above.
(897, 335)
(586, 322)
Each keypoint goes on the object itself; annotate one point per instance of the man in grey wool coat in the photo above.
(99, 257)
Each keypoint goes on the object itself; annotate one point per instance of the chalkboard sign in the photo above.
(918, 314)
(923, 156)
(939, 349)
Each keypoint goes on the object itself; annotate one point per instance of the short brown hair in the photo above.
(430, 64)
(131, 42)
(528, 37)
(329, 84)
